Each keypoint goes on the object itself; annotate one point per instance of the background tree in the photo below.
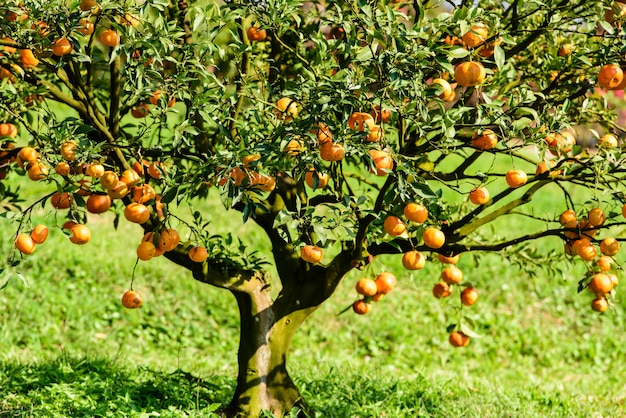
(345, 130)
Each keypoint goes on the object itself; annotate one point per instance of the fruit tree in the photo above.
(345, 130)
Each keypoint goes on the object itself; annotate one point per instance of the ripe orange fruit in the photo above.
(385, 283)
(27, 155)
(381, 115)
(366, 287)
(140, 111)
(608, 141)
(447, 90)
(169, 239)
(262, 182)
(86, 27)
(604, 263)
(95, 170)
(146, 250)
(28, 58)
(256, 34)
(469, 296)
(311, 254)
(80, 234)
(25, 244)
(110, 38)
(293, 148)
(434, 238)
(587, 252)
(566, 49)
(415, 212)
(131, 299)
(479, 196)
(567, 217)
(375, 134)
(324, 135)
(361, 121)
(198, 254)
(118, 191)
(609, 246)
(610, 76)
(37, 171)
(62, 168)
(332, 152)
(382, 161)
(600, 304)
(39, 234)
(130, 19)
(61, 200)
(154, 99)
(476, 36)
(62, 46)
(287, 108)
(312, 176)
(448, 260)
(394, 226)
(8, 130)
(143, 193)
(109, 180)
(130, 177)
(442, 290)
(469, 73)
(89, 5)
(484, 141)
(452, 275)
(458, 339)
(137, 213)
(596, 217)
(516, 178)
(361, 307)
(600, 284)
(413, 260)
(614, 279)
(98, 203)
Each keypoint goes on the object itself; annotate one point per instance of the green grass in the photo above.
(66, 344)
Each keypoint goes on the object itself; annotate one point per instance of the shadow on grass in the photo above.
(96, 387)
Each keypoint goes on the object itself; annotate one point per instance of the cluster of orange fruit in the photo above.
(372, 290)
(580, 233)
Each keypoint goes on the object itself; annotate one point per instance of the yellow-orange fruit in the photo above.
(415, 212)
(39, 234)
(198, 254)
(413, 260)
(25, 244)
(169, 239)
(434, 238)
(366, 287)
(311, 254)
(469, 73)
(394, 226)
(131, 299)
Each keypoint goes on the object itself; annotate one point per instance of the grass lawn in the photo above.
(68, 348)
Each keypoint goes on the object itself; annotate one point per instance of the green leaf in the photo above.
(499, 56)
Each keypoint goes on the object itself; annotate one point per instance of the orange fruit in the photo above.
(458, 339)
(382, 161)
(566, 49)
(567, 217)
(287, 108)
(256, 34)
(140, 111)
(608, 141)
(293, 148)
(375, 134)
(324, 135)
(130, 177)
(587, 252)
(154, 99)
(27, 155)
(118, 191)
(610, 76)
(361, 307)
(131, 299)
(596, 217)
(110, 38)
(86, 27)
(68, 150)
(360, 121)
(25, 244)
(143, 193)
(137, 213)
(37, 171)
(485, 140)
(448, 260)
(312, 176)
(600, 304)
(61, 200)
(198, 254)
(479, 196)
(98, 203)
(600, 284)
(332, 152)
(469, 73)
(614, 279)
(262, 182)
(469, 296)
(311, 254)
(516, 178)
(366, 287)
(8, 130)
(146, 250)
(39, 234)
(433, 237)
(415, 212)
(381, 115)
(413, 260)
(394, 226)
(28, 58)
(109, 180)
(447, 90)
(80, 234)
(8, 49)
(452, 275)
(385, 283)
(442, 290)
(62, 46)
(62, 168)
(130, 19)
(476, 36)
(609, 246)
(95, 170)
(604, 263)
(169, 239)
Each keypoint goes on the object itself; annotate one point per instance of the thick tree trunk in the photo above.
(263, 382)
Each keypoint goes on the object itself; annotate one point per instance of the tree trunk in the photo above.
(263, 382)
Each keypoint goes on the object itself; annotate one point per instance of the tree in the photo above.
(340, 128)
